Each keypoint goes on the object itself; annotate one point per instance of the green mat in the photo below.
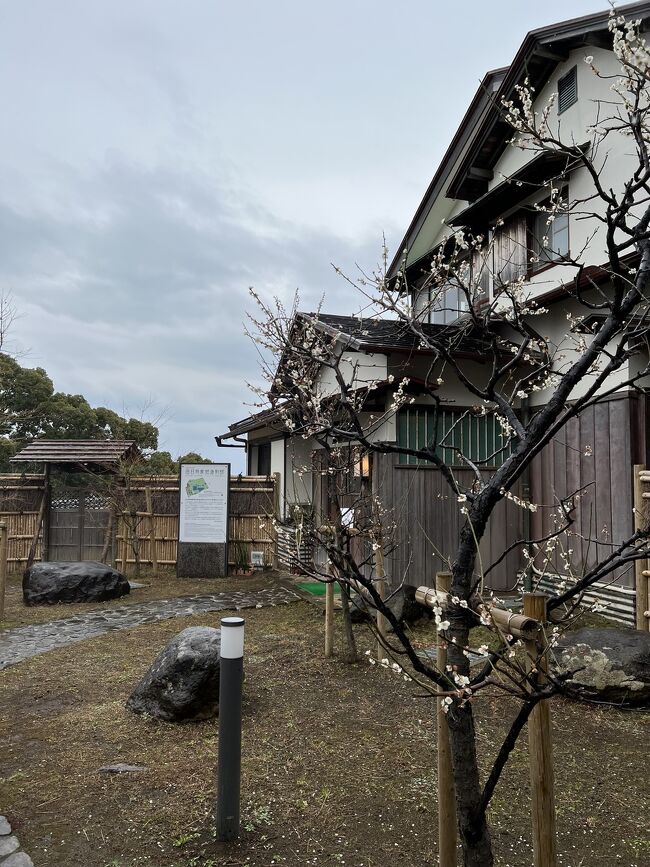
(316, 588)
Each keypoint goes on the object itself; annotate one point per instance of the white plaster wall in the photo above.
(379, 427)
(357, 369)
(299, 475)
(616, 154)
(277, 466)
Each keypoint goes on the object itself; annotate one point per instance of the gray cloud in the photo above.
(139, 291)
(159, 157)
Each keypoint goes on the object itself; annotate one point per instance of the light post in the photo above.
(230, 695)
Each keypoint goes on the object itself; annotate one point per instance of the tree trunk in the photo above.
(472, 825)
(351, 655)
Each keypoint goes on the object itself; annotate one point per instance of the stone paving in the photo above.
(24, 642)
(11, 855)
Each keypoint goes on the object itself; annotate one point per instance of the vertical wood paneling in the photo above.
(427, 525)
(602, 470)
(606, 502)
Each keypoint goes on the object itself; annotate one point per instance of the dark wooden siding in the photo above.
(614, 432)
(427, 523)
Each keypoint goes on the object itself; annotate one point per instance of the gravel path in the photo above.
(27, 641)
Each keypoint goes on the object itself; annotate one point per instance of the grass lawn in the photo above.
(338, 760)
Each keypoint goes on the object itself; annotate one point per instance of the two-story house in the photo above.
(486, 186)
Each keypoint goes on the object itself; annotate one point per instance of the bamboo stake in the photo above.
(540, 746)
(447, 825)
(3, 567)
(152, 532)
(640, 566)
(329, 615)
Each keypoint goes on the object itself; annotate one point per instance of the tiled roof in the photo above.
(98, 452)
(374, 333)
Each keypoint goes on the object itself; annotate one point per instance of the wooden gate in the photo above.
(79, 522)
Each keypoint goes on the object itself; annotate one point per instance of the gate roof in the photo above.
(75, 455)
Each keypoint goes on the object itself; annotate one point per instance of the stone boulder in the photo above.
(183, 682)
(49, 583)
(615, 665)
(403, 605)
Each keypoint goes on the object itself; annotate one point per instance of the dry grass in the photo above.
(338, 762)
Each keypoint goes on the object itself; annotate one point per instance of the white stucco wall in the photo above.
(357, 369)
(616, 155)
(277, 466)
(299, 475)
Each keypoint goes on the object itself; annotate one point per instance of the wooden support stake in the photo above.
(152, 531)
(3, 566)
(329, 615)
(640, 566)
(382, 623)
(447, 825)
(540, 745)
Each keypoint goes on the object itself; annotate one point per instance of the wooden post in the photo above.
(37, 529)
(82, 524)
(329, 615)
(276, 513)
(640, 566)
(152, 529)
(447, 825)
(3, 566)
(540, 745)
(135, 541)
(125, 546)
(45, 539)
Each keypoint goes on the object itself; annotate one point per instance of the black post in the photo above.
(230, 694)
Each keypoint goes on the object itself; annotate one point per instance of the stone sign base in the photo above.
(202, 560)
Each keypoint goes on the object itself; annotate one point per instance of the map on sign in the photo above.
(195, 486)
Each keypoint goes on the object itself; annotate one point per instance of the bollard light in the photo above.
(230, 695)
(232, 637)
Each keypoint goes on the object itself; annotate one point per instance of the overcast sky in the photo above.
(159, 157)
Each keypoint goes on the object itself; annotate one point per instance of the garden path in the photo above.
(24, 642)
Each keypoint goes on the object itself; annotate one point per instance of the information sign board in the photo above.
(204, 503)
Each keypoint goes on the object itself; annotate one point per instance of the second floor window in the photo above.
(550, 237)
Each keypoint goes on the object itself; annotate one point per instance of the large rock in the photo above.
(403, 605)
(49, 583)
(615, 665)
(183, 682)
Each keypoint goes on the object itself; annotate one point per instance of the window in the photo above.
(451, 299)
(478, 437)
(511, 250)
(449, 305)
(264, 459)
(567, 90)
(550, 235)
